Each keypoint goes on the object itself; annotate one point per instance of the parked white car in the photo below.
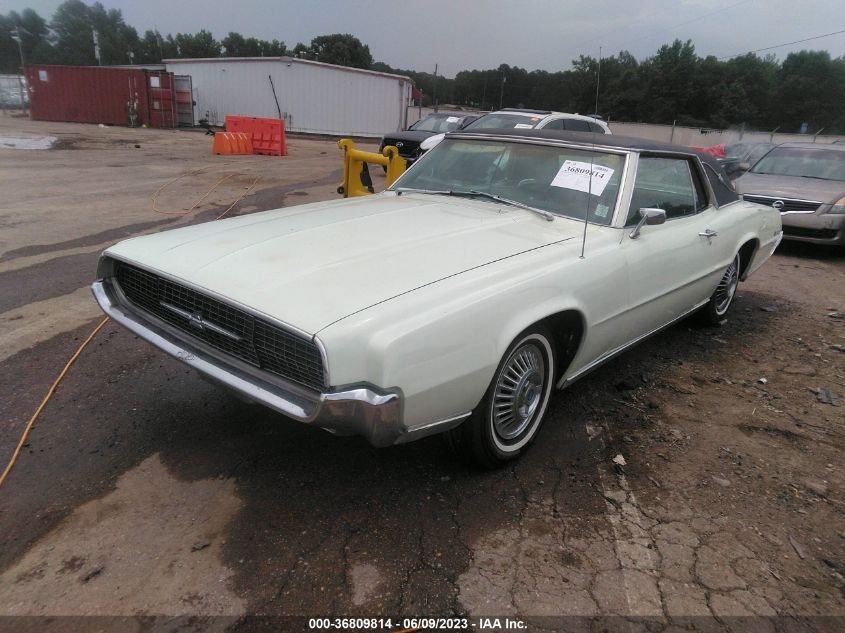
(526, 119)
(499, 266)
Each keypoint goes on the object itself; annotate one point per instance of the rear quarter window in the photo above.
(721, 184)
(577, 125)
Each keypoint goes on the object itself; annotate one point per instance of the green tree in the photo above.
(811, 89)
(73, 33)
(35, 40)
(117, 39)
(74, 24)
(342, 49)
(273, 48)
(197, 45)
(236, 45)
(670, 78)
(151, 48)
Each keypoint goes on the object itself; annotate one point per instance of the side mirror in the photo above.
(650, 217)
(744, 166)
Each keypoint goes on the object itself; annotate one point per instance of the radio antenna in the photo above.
(592, 156)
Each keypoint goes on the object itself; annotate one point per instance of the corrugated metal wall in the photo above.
(313, 97)
(94, 94)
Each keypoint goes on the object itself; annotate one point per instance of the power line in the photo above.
(768, 48)
(670, 28)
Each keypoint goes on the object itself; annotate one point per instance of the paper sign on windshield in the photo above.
(574, 174)
(453, 119)
(523, 126)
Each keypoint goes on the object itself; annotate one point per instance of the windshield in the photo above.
(437, 124)
(502, 121)
(809, 162)
(550, 178)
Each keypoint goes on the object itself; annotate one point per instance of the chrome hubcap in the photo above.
(727, 287)
(519, 391)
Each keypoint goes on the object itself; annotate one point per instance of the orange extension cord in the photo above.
(46, 399)
(91, 336)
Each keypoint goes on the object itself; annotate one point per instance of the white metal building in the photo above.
(312, 96)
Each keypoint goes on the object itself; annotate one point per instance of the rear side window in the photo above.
(557, 124)
(595, 127)
(577, 125)
(668, 184)
(721, 184)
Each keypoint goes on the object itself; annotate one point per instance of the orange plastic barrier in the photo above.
(231, 143)
(268, 135)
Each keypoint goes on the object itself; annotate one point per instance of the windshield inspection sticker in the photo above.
(523, 126)
(574, 174)
(453, 119)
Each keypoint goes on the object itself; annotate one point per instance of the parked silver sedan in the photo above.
(806, 183)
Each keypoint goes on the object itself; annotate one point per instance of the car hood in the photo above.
(417, 136)
(312, 265)
(790, 187)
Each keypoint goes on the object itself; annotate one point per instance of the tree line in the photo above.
(69, 38)
(806, 89)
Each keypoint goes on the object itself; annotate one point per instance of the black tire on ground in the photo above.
(716, 310)
(507, 419)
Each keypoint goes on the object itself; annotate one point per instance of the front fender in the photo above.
(441, 344)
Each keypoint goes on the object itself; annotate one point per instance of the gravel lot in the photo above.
(146, 491)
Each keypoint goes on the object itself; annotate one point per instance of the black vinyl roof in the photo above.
(718, 178)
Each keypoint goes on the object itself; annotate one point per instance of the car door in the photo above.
(675, 266)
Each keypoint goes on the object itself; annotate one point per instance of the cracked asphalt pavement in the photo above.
(146, 492)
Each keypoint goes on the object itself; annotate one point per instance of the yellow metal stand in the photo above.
(355, 166)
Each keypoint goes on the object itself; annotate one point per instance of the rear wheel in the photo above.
(720, 302)
(508, 417)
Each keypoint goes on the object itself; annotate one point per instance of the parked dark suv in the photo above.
(408, 141)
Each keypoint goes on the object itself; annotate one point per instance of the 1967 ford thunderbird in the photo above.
(504, 263)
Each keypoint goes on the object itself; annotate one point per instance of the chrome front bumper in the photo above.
(363, 410)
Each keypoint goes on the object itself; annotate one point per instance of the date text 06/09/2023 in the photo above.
(415, 624)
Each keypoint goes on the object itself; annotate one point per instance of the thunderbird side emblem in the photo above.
(196, 321)
(778, 204)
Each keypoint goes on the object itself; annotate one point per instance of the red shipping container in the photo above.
(95, 94)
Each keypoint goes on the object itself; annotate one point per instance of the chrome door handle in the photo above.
(708, 233)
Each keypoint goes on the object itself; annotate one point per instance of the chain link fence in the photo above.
(13, 93)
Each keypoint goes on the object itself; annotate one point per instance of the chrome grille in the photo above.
(789, 204)
(223, 327)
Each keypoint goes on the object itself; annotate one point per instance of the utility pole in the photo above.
(483, 93)
(598, 79)
(96, 37)
(17, 37)
(434, 89)
(158, 41)
(502, 91)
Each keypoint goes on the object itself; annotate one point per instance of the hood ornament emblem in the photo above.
(196, 321)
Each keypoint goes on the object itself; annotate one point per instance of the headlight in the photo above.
(838, 206)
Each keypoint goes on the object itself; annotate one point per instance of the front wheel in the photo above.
(508, 417)
(722, 298)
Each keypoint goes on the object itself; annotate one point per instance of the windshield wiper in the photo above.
(491, 196)
(434, 192)
(473, 194)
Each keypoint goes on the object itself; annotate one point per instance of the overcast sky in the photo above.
(464, 34)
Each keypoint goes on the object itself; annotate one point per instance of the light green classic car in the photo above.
(503, 264)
